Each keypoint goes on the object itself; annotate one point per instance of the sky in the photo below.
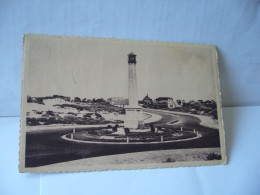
(98, 68)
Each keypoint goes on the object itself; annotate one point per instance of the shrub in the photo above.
(127, 131)
(77, 99)
(80, 109)
(72, 113)
(29, 99)
(114, 129)
(50, 113)
(213, 156)
(152, 128)
(170, 160)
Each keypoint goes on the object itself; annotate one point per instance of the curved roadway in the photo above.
(47, 147)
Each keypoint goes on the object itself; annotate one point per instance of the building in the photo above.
(177, 103)
(114, 99)
(165, 100)
(147, 100)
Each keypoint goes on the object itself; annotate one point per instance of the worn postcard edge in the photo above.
(46, 169)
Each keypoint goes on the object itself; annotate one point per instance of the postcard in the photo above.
(92, 104)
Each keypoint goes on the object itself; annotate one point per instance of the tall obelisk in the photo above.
(134, 114)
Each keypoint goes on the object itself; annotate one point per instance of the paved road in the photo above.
(183, 120)
(47, 147)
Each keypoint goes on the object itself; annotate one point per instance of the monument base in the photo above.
(134, 118)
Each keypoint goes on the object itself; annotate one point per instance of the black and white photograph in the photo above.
(99, 104)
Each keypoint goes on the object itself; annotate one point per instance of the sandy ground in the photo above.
(158, 156)
(205, 121)
(151, 118)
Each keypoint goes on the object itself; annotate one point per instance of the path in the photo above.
(47, 147)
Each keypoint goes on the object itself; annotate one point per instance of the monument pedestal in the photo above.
(134, 117)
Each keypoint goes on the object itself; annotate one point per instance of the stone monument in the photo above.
(134, 113)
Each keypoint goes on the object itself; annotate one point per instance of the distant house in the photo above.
(177, 103)
(147, 100)
(114, 99)
(140, 103)
(121, 103)
(165, 100)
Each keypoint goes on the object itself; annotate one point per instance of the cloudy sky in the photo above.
(94, 68)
